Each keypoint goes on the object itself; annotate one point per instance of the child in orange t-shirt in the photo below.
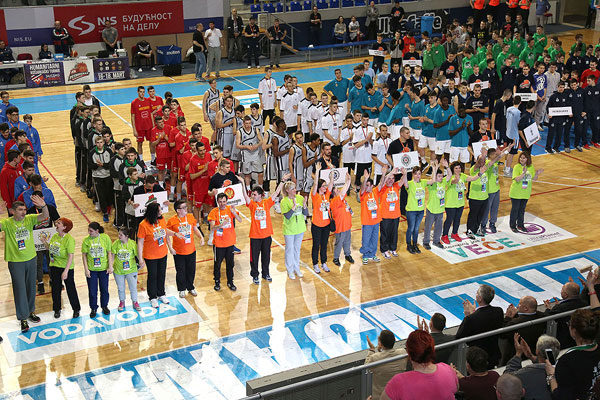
(389, 200)
(223, 230)
(370, 216)
(342, 215)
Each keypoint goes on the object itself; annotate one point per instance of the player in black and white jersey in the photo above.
(236, 157)
(310, 155)
(210, 96)
(224, 122)
(218, 105)
(249, 141)
(280, 146)
(296, 165)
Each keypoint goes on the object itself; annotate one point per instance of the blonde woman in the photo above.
(294, 210)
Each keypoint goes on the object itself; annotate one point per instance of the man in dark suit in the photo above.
(482, 319)
(570, 301)
(436, 327)
(235, 27)
(525, 311)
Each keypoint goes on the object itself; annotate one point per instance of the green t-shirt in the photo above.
(493, 177)
(439, 55)
(97, 251)
(479, 186)
(521, 190)
(124, 257)
(59, 249)
(528, 55)
(540, 42)
(554, 53)
(18, 238)
(428, 60)
(500, 61)
(296, 224)
(416, 196)
(467, 67)
(436, 203)
(517, 46)
(496, 49)
(455, 193)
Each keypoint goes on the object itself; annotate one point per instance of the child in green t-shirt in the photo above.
(125, 267)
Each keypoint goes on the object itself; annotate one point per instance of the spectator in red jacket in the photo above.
(591, 71)
(10, 172)
(20, 137)
(408, 40)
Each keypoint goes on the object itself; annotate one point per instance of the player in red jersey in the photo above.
(169, 117)
(197, 134)
(199, 182)
(178, 141)
(159, 139)
(141, 120)
(184, 172)
(156, 102)
(175, 108)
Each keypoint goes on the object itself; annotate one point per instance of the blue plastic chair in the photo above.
(295, 6)
(334, 3)
(269, 7)
(279, 7)
(359, 3)
(255, 8)
(322, 4)
(307, 5)
(347, 3)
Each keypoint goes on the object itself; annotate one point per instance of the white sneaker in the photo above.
(316, 268)
(299, 274)
(153, 69)
(193, 292)
(163, 299)
(291, 275)
(324, 267)
(182, 294)
(154, 303)
(258, 66)
(249, 67)
(140, 70)
(97, 206)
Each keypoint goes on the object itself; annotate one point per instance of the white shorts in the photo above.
(442, 146)
(406, 122)
(427, 142)
(459, 154)
(343, 108)
(415, 133)
(394, 131)
(249, 167)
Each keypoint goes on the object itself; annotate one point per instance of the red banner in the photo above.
(2, 27)
(85, 23)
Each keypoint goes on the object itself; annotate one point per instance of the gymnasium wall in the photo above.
(25, 29)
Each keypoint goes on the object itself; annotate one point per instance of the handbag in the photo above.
(331, 222)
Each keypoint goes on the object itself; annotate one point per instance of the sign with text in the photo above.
(41, 235)
(560, 111)
(527, 96)
(144, 199)
(78, 71)
(412, 63)
(532, 134)
(234, 193)
(406, 160)
(85, 23)
(484, 85)
(489, 144)
(377, 53)
(111, 69)
(44, 74)
(339, 176)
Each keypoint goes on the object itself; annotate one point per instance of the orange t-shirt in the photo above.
(260, 224)
(225, 235)
(321, 209)
(341, 213)
(184, 226)
(370, 210)
(155, 239)
(389, 199)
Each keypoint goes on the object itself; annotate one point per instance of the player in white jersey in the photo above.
(362, 142)
(267, 94)
(310, 155)
(346, 139)
(224, 122)
(305, 116)
(249, 140)
(289, 109)
(331, 123)
(297, 89)
(210, 96)
(296, 166)
(380, 149)
(283, 89)
(322, 109)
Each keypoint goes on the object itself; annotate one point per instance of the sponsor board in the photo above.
(44, 74)
(198, 371)
(538, 232)
(144, 199)
(56, 337)
(111, 69)
(234, 193)
(78, 71)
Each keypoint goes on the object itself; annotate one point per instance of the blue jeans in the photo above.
(370, 235)
(200, 68)
(131, 279)
(98, 278)
(413, 218)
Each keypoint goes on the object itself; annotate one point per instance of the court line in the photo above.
(562, 184)
(242, 82)
(65, 192)
(114, 112)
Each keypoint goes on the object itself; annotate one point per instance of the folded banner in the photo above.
(488, 144)
(234, 193)
(532, 134)
(412, 63)
(406, 160)
(484, 85)
(339, 176)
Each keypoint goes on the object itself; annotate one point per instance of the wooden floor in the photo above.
(569, 200)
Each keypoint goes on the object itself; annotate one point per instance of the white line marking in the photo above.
(114, 112)
(562, 184)
(171, 78)
(242, 82)
(346, 299)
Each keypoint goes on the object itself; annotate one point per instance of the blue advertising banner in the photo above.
(44, 74)
(111, 69)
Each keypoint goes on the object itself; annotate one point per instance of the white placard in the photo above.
(339, 176)
(40, 234)
(484, 85)
(377, 53)
(78, 71)
(406, 160)
(532, 134)
(412, 63)
(527, 96)
(456, 81)
(234, 193)
(560, 111)
(489, 144)
(144, 199)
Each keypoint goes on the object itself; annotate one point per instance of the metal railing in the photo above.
(459, 343)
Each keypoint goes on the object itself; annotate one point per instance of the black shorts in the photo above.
(514, 149)
(350, 166)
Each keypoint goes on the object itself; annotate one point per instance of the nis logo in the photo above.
(84, 27)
